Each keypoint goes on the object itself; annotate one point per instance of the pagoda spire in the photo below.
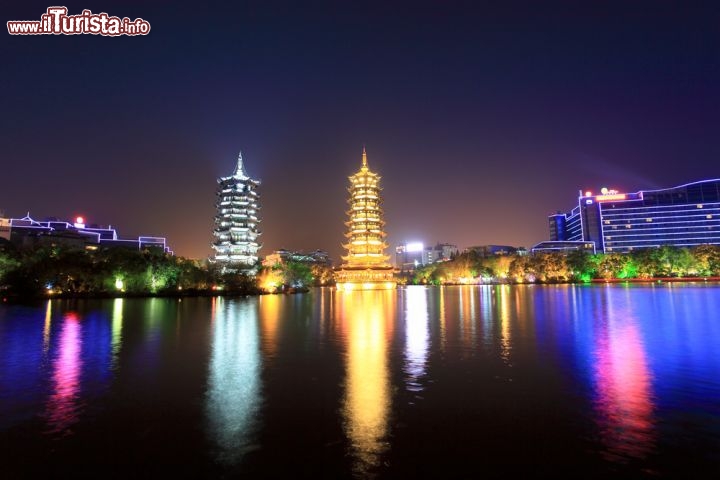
(364, 159)
(239, 169)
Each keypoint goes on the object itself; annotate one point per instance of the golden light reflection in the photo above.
(269, 323)
(467, 315)
(503, 291)
(522, 320)
(443, 320)
(366, 318)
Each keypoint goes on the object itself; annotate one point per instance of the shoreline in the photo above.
(12, 299)
(15, 299)
(591, 282)
(657, 280)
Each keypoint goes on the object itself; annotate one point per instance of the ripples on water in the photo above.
(593, 381)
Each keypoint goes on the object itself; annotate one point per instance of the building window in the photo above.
(699, 205)
(648, 219)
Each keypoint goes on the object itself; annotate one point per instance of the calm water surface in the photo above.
(458, 382)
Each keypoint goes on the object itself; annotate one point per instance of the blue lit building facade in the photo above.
(683, 216)
(27, 232)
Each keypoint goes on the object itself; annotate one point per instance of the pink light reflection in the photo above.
(624, 394)
(63, 409)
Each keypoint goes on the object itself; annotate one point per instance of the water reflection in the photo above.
(504, 311)
(63, 409)
(467, 315)
(46, 326)
(269, 323)
(367, 320)
(623, 385)
(621, 381)
(117, 321)
(442, 319)
(417, 336)
(155, 315)
(233, 397)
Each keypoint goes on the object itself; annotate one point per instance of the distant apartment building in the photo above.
(409, 256)
(683, 216)
(27, 232)
(441, 252)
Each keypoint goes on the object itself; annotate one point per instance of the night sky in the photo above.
(482, 118)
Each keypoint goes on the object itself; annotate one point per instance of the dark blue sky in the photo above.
(482, 117)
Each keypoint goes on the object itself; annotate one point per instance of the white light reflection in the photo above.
(417, 336)
(233, 397)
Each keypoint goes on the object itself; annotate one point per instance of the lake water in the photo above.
(447, 382)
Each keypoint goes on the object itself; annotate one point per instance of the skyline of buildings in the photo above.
(685, 215)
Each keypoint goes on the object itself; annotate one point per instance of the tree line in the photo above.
(576, 266)
(70, 271)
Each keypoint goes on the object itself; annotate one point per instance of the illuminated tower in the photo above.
(365, 266)
(236, 223)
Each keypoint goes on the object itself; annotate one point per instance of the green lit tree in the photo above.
(707, 258)
(676, 261)
(612, 265)
(297, 274)
(581, 265)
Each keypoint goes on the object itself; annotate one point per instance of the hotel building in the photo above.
(683, 216)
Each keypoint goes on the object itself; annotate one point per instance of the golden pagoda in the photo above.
(365, 267)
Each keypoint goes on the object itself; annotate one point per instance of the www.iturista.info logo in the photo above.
(56, 21)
